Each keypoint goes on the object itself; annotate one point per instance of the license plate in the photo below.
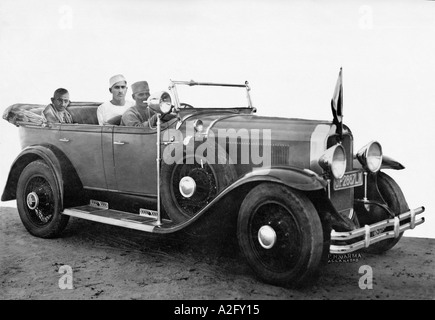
(349, 180)
(148, 213)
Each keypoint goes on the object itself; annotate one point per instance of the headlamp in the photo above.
(370, 156)
(334, 161)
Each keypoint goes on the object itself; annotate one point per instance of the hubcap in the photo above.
(275, 237)
(266, 237)
(39, 200)
(32, 200)
(193, 186)
(187, 187)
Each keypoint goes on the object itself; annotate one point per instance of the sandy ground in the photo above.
(114, 263)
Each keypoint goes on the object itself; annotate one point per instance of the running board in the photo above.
(115, 218)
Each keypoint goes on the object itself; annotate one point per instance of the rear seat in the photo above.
(84, 113)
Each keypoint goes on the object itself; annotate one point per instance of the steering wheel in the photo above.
(185, 105)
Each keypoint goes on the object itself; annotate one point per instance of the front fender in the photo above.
(390, 163)
(27, 156)
(300, 179)
(387, 163)
(304, 180)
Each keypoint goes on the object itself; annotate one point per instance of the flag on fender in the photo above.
(337, 104)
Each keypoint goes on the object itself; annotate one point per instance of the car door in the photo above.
(134, 154)
(82, 146)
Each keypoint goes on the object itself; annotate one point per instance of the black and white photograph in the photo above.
(217, 155)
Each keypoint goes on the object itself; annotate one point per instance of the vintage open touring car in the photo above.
(297, 190)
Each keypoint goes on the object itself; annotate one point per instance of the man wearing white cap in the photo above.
(110, 112)
(138, 115)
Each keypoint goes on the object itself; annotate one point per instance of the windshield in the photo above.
(210, 95)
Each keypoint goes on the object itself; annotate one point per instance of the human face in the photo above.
(60, 101)
(119, 90)
(141, 98)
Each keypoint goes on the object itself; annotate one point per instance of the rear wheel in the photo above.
(280, 234)
(394, 198)
(38, 201)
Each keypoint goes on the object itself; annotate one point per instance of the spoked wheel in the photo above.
(280, 234)
(193, 186)
(189, 185)
(38, 201)
(393, 196)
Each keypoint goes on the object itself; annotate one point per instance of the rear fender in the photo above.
(41, 152)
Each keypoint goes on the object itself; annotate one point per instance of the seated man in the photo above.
(56, 111)
(138, 115)
(110, 112)
(142, 114)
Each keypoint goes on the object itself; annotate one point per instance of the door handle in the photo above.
(172, 140)
(64, 140)
(119, 143)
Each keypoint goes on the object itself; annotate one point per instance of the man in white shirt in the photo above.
(110, 112)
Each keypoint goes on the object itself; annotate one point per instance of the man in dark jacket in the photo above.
(142, 114)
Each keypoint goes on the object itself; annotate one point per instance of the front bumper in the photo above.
(374, 233)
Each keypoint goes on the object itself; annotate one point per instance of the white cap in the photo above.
(115, 79)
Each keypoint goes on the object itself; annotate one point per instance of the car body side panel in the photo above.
(135, 153)
(107, 162)
(35, 135)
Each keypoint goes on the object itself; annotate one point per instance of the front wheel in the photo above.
(280, 234)
(38, 201)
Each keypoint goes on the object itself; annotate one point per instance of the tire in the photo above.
(38, 201)
(394, 198)
(296, 255)
(210, 179)
(326, 228)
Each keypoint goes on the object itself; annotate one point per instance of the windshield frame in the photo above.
(173, 88)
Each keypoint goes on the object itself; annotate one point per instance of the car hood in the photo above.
(280, 128)
(295, 142)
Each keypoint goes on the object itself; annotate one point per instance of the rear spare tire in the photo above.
(190, 183)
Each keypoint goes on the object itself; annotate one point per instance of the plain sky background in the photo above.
(289, 51)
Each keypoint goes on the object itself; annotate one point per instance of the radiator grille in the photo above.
(280, 153)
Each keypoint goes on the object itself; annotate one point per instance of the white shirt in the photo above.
(108, 111)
